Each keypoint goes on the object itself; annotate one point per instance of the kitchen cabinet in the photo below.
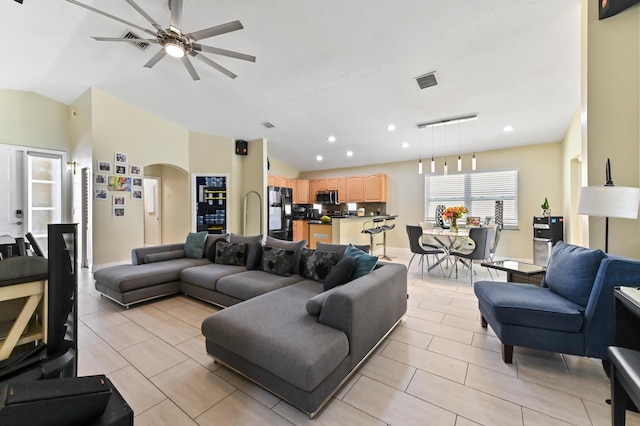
(313, 185)
(298, 230)
(375, 188)
(301, 192)
(319, 233)
(281, 181)
(321, 185)
(271, 180)
(355, 189)
(342, 190)
(332, 183)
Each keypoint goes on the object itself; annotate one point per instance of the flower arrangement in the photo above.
(454, 212)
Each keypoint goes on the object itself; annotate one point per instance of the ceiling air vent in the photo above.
(268, 125)
(142, 45)
(427, 80)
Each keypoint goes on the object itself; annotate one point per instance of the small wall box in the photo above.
(242, 147)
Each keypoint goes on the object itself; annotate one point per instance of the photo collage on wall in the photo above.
(118, 180)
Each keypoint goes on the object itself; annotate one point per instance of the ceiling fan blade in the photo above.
(145, 14)
(130, 40)
(108, 15)
(223, 52)
(189, 66)
(176, 14)
(212, 64)
(214, 31)
(156, 58)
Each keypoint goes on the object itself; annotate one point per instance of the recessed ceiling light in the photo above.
(405, 144)
(508, 128)
(331, 139)
(391, 127)
(349, 153)
(318, 157)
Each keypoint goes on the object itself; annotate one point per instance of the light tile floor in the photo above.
(439, 367)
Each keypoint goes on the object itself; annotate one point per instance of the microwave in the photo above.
(327, 197)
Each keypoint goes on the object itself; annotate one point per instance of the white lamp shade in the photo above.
(609, 201)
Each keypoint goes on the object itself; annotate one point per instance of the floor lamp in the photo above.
(609, 201)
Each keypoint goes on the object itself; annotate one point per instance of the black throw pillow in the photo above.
(231, 254)
(340, 273)
(278, 261)
(211, 253)
(317, 264)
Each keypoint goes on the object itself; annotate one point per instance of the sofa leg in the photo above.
(507, 353)
(483, 322)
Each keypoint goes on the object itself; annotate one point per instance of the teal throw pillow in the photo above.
(364, 262)
(194, 247)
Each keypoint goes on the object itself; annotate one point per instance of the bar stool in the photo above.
(375, 229)
(386, 227)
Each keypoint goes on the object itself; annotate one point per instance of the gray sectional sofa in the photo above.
(284, 332)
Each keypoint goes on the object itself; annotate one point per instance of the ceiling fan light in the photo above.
(174, 48)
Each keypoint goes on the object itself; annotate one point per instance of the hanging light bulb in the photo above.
(446, 168)
(459, 158)
(420, 162)
(433, 165)
(473, 161)
(459, 163)
(420, 167)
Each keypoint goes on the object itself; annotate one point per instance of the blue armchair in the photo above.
(571, 312)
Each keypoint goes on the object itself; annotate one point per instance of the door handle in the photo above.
(17, 223)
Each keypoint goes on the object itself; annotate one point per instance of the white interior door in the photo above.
(11, 190)
(152, 211)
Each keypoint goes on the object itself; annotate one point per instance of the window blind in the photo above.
(477, 191)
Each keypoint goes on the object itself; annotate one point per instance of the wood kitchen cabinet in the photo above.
(281, 181)
(302, 191)
(312, 190)
(355, 189)
(321, 184)
(342, 190)
(298, 230)
(375, 188)
(332, 183)
(271, 180)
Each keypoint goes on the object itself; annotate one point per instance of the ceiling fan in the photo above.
(174, 42)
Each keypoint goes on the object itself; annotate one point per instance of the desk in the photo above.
(450, 240)
(519, 272)
(625, 358)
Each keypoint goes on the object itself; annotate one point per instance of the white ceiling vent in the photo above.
(427, 80)
(268, 125)
(142, 45)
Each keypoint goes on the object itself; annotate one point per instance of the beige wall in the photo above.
(611, 106)
(253, 177)
(539, 175)
(278, 168)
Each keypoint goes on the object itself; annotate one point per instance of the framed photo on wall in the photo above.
(120, 157)
(120, 169)
(135, 170)
(118, 212)
(118, 200)
(104, 166)
(136, 182)
(101, 194)
(136, 194)
(100, 179)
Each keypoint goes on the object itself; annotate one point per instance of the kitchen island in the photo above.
(348, 229)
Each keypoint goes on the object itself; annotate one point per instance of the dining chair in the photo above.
(417, 247)
(497, 229)
(482, 238)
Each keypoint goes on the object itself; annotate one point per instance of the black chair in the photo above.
(34, 244)
(417, 247)
(482, 237)
(375, 229)
(386, 227)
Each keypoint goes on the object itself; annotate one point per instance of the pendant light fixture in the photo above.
(433, 161)
(473, 141)
(420, 162)
(459, 159)
(445, 171)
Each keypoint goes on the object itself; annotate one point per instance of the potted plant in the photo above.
(546, 211)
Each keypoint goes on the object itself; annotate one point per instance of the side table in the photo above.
(519, 272)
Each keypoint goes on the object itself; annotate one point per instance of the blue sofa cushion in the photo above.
(364, 262)
(529, 305)
(572, 271)
(194, 246)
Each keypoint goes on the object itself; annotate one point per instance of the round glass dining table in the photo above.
(449, 241)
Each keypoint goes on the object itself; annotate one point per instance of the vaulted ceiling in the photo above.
(323, 68)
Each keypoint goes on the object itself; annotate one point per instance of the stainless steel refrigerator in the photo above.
(280, 203)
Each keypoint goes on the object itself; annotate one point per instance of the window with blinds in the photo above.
(477, 191)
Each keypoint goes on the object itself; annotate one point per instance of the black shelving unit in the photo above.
(211, 204)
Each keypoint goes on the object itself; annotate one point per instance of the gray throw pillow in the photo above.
(231, 254)
(340, 248)
(295, 246)
(194, 246)
(165, 255)
(340, 273)
(278, 261)
(254, 248)
(316, 264)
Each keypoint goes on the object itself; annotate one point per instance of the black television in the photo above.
(608, 8)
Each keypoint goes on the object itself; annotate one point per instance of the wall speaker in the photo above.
(242, 147)
(609, 8)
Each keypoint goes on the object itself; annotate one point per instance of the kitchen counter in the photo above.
(349, 229)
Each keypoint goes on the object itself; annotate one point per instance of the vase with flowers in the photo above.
(452, 214)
